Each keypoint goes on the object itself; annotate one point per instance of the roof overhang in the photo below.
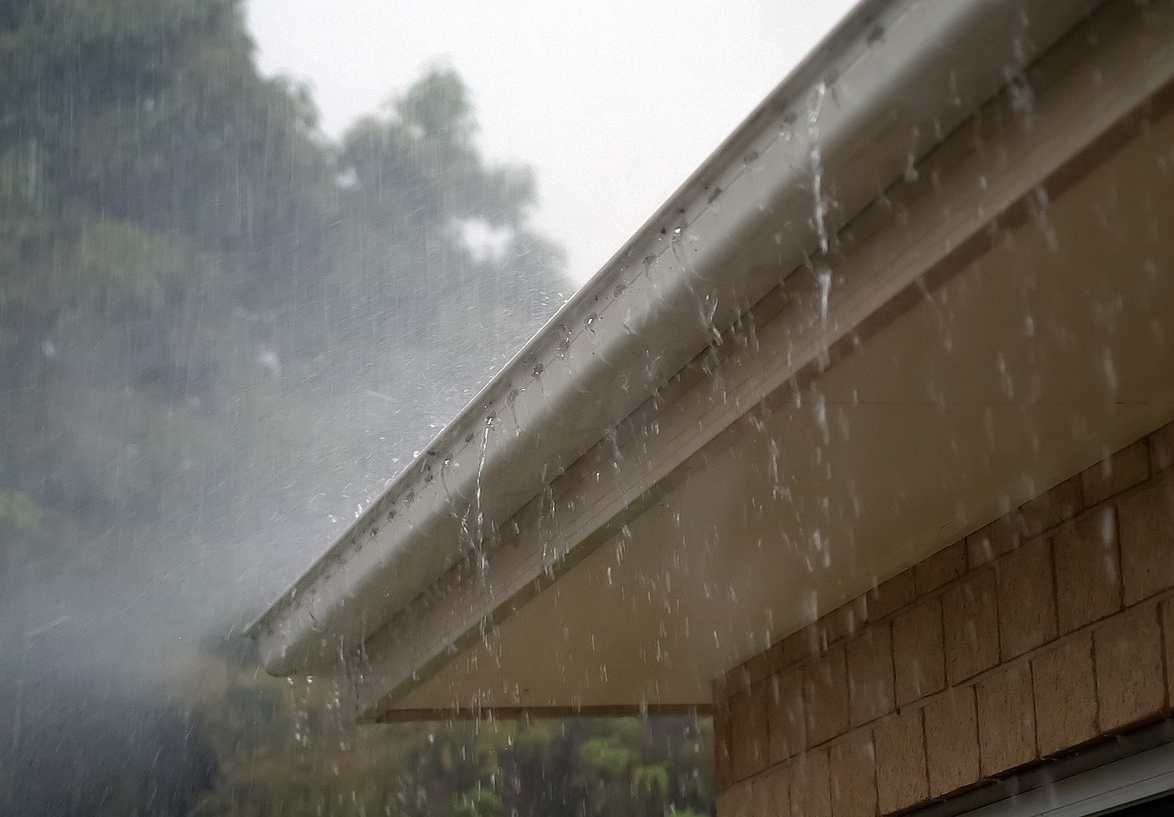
(608, 500)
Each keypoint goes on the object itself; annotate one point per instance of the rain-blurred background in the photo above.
(252, 258)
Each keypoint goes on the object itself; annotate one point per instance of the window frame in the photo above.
(1102, 790)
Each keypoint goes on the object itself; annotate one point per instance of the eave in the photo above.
(400, 591)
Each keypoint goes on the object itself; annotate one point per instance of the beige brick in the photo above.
(810, 785)
(1131, 684)
(971, 626)
(1006, 719)
(941, 568)
(1147, 539)
(1064, 685)
(1128, 467)
(825, 690)
(1088, 571)
(723, 765)
(736, 681)
(1161, 444)
(774, 658)
(852, 767)
(786, 720)
(721, 688)
(891, 596)
(1027, 598)
(748, 722)
(757, 668)
(918, 652)
(901, 779)
(844, 621)
(760, 695)
(736, 801)
(759, 805)
(1053, 507)
(800, 645)
(870, 674)
(990, 542)
(772, 793)
(951, 741)
(1167, 612)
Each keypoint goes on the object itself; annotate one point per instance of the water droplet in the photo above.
(824, 277)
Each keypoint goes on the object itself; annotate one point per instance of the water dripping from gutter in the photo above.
(816, 158)
(706, 303)
(480, 515)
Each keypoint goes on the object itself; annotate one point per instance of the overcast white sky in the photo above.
(613, 102)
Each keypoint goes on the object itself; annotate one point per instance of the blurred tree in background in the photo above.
(175, 231)
(307, 758)
(218, 330)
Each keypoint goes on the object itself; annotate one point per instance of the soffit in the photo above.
(1038, 358)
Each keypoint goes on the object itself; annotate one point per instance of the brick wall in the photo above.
(1050, 629)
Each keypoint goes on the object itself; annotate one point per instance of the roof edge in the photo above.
(625, 325)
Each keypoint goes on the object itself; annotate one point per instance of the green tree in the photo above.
(199, 295)
(412, 182)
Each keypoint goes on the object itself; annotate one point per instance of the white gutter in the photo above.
(884, 88)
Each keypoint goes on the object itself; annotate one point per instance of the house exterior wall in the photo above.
(1048, 630)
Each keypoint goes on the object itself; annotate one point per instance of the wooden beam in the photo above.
(543, 712)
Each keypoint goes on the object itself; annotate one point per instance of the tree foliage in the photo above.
(206, 307)
(311, 760)
(174, 227)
